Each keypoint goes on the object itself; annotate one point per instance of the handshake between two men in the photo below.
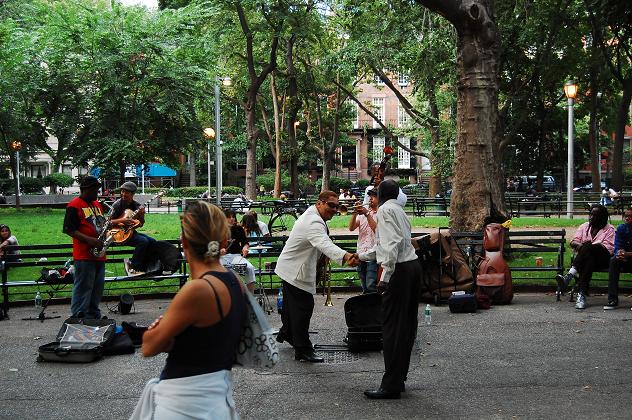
(352, 259)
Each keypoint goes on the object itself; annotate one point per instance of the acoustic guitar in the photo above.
(123, 233)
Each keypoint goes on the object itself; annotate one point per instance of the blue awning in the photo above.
(156, 169)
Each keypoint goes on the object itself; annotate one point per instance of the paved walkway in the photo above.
(534, 359)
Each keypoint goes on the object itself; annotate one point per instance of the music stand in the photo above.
(260, 291)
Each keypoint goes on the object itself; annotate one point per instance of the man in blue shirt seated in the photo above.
(621, 260)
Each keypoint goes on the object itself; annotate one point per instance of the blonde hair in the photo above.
(205, 228)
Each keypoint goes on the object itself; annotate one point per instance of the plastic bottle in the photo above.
(280, 301)
(38, 300)
(428, 314)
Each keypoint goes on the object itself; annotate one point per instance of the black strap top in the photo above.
(200, 350)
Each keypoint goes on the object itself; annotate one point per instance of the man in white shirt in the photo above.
(296, 266)
(399, 284)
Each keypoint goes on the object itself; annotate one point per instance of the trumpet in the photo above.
(343, 210)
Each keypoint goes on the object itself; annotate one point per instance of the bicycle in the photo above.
(283, 215)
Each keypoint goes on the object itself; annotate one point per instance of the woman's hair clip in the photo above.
(212, 249)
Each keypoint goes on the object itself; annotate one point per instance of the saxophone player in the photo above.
(83, 222)
(296, 266)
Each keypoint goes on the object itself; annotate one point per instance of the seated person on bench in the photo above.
(237, 249)
(594, 244)
(121, 219)
(622, 259)
(7, 239)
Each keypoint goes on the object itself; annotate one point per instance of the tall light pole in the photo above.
(570, 90)
(209, 133)
(16, 146)
(226, 81)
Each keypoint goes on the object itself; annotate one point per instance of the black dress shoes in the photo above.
(381, 394)
(306, 356)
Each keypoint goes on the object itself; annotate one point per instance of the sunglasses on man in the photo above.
(332, 205)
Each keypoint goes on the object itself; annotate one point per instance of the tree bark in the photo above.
(477, 196)
(622, 118)
(292, 113)
(593, 134)
(277, 139)
(256, 80)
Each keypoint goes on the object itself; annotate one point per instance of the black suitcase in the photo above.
(363, 315)
(79, 341)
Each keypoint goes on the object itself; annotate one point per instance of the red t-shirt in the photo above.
(88, 219)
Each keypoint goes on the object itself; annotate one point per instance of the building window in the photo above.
(378, 149)
(354, 113)
(66, 169)
(378, 110)
(402, 79)
(377, 80)
(402, 117)
(403, 156)
(38, 171)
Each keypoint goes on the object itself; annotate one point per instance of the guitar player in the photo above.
(134, 266)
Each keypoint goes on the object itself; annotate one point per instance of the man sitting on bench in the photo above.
(120, 218)
(622, 259)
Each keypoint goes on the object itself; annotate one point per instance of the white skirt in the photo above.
(208, 396)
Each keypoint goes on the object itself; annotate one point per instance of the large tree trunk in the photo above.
(251, 146)
(292, 113)
(434, 186)
(622, 119)
(593, 135)
(476, 188)
(277, 138)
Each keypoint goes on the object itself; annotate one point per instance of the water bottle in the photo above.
(280, 301)
(428, 314)
(38, 300)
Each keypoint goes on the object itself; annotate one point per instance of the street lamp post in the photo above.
(570, 90)
(226, 81)
(17, 146)
(209, 133)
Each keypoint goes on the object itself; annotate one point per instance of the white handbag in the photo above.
(257, 345)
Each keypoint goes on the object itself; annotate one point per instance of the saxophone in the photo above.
(323, 277)
(104, 237)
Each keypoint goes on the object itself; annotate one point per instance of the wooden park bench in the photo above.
(23, 277)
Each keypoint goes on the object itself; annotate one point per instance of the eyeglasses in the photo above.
(332, 205)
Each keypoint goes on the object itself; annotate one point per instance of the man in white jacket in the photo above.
(399, 284)
(296, 266)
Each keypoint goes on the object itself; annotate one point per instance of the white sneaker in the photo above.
(581, 301)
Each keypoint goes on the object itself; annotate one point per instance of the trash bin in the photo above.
(180, 205)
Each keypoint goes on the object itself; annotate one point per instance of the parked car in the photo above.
(415, 189)
(588, 187)
(548, 182)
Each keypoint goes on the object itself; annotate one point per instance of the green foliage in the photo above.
(59, 179)
(267, 180)
(335, 183)
(627, 176)
(362, 183)
(403, 182)
(31, 185)
(198, 191)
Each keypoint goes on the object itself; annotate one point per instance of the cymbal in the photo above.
(257, 247)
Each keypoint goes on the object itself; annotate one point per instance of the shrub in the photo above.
(403, 182)
(335, 183)
(362, 183)
(59, 179)
(31, 185)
